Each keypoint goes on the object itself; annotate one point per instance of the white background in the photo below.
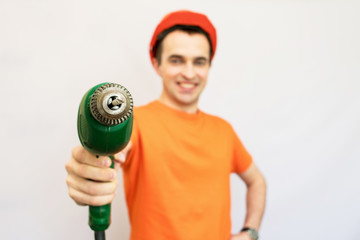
(286, 75)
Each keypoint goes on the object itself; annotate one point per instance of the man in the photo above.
(176, 168)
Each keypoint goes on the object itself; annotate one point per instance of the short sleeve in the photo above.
(241, 157)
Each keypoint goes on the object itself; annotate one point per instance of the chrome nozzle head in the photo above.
(111, 104)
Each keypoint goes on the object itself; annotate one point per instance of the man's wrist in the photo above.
(253, 233)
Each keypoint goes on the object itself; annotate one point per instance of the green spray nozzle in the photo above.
(104, 124)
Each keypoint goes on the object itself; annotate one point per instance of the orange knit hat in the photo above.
(184, 17)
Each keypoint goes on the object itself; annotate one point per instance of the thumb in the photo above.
(121, 156)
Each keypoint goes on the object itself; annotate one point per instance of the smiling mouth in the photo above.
(186, 85)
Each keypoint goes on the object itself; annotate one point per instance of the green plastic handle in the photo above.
(100, 216)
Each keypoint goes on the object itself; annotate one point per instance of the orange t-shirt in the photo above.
(177, 175)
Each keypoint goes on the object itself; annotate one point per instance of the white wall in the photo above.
(286, 75)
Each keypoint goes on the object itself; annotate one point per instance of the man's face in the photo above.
(185, 63)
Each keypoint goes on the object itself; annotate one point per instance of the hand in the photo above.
(241, 236)
(90, 179)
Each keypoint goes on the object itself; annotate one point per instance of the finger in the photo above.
(82, 198)
(91, 187)
(122, 155)
(90, 172)
(81, 155)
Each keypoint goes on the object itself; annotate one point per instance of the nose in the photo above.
(188, 71)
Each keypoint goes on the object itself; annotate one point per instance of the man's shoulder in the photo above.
(148, 107)
(217, 120)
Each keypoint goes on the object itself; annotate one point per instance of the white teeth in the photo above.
(187, 85)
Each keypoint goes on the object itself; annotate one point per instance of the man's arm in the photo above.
(255, 200)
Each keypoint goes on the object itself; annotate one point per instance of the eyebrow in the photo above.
(180, 56)
(175, 56)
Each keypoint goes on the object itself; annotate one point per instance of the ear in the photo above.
(156, 65)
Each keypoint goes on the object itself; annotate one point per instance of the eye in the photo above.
(200, 62)
(175, 60)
